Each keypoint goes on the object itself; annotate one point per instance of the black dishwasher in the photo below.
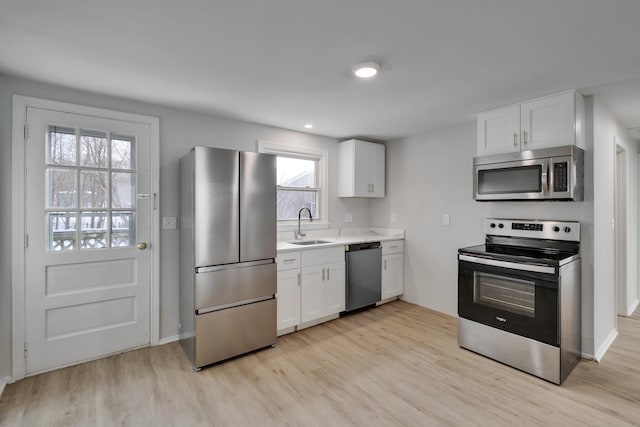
(364, 275)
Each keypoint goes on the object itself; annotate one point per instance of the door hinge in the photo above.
(26, 132)
(26, 349)
(26, 241)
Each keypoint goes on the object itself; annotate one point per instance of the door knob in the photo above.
(142, 246)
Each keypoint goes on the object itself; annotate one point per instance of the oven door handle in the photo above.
(507, 264)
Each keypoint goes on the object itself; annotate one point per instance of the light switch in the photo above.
(445, 219)
(348, 217)
(169, 223)
(393, 218)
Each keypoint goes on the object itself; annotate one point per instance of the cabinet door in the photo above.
(376, 169)
(334, 293)
(499, 130)
(311, 293)
(392, 275)
(548, 122)
(361, 169)
(288, 298)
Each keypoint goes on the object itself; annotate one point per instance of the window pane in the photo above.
(123, 190)
(290, 202)
(296, 172)
(62, 231)
(61, 184)
(93, 189)
(123, 232)
(62, 146)
(93, 230)
(122, 152)
(93, 149)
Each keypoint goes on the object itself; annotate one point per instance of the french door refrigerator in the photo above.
(227, 253)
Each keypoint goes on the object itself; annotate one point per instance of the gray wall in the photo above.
(429, 175)
(5, 230)
(179, 130)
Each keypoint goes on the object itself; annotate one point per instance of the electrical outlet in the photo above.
(445, 219)
(348, 217)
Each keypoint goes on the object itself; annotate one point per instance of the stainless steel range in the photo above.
(519, 296)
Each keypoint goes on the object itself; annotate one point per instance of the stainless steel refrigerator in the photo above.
(227, 253)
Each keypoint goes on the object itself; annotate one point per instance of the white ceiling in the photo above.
(286, 63)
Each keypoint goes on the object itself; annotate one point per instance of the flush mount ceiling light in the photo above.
(308, 126)
(365, 70)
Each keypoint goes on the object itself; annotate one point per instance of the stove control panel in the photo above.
(538, 229)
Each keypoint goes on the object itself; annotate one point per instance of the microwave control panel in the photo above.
(560, 180)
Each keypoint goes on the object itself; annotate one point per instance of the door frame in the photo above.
(20, 105)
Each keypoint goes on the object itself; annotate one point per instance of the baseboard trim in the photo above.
(167, 340)
(605, 345)
(632, 307)
(3, 383)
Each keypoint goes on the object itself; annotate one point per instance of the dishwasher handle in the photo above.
(362, 246)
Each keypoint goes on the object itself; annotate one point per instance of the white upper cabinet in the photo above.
(362, 169)
(551, 121)
(499, 130)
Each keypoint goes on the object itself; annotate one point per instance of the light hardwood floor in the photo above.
(398, 364)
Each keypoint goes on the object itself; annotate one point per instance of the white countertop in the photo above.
(342, 237)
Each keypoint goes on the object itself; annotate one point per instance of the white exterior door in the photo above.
(88, 226)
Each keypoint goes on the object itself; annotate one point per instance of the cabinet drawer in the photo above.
(322, 256)
(288, 261)
(392, 247)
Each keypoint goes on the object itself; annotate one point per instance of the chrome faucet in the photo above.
(299, 234)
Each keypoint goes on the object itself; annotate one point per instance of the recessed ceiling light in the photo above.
(308, 126)
(365, 70)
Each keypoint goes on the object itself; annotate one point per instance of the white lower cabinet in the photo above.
(288, 292)
(392, 269)
(288, 298)
(322, 291)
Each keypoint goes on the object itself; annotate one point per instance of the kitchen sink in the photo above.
(308, 242)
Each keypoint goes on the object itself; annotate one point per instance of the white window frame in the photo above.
(322, 156)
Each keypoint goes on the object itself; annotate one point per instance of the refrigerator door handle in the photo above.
(233, 266)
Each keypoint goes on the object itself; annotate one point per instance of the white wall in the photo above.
(429, 175)
(179, 131)
(606, 131)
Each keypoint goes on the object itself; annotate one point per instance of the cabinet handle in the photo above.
(299, 279)
(515, 139)
(289, 260)
(524, 133)
(373, 188)
(393, 247)
(323, 274)
(328, 271)
(385, 264)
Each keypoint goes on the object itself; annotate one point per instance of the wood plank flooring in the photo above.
(398, 364)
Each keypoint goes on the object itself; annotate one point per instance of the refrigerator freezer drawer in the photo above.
(234, 284)
(234, 331)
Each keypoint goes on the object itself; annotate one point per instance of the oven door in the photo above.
(517, 298)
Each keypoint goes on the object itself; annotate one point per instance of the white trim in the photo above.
(20, 105)
(632, 307)
(167, 340)
(315, 153)
(3, 383)
(605, 345)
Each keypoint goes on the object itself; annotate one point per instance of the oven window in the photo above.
(524, 179)
(513, 295)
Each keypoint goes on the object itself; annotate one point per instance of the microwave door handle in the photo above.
(544, 178)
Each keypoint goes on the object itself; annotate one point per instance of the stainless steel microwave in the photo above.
(545, 174)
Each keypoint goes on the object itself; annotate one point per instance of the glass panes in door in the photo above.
(91, 189)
